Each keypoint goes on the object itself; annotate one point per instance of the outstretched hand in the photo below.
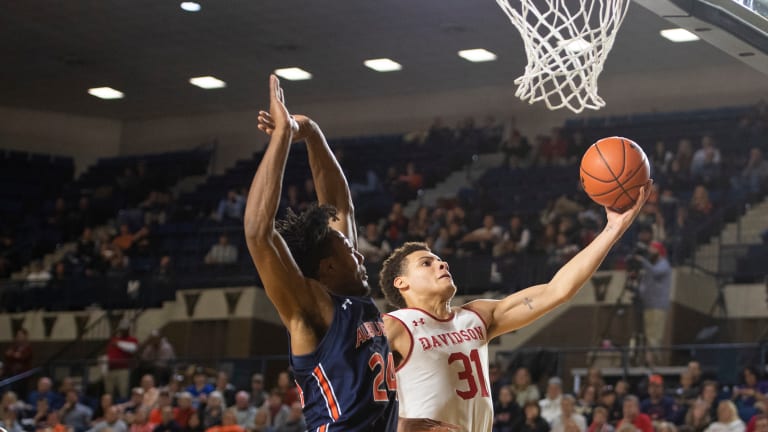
(622, 221)
(278, 114)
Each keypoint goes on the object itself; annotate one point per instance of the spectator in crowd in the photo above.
(9, 421)
(167, 422)
(697, 419)
(531, 420)
(658, 406)
(595, 378)
(709, 395)
(53, 422)
(278, 411)
(523, 388)
(106, 402)
(655, 288)
(700, 207)
(497, 379)
(568, 414)
(228, 423)
(156, 356)
(231, 208)
(505, 410)
(222, 253)
(420, 225)
(412, 179)
(244, 412)
(515, 147)
(586, 402)
(760, 423)
(135, 403)
(126, 239)
(163, 400)
(184, 410)
(600, 421)
(661, 157)
(633, 416)
(550, 405)
(287, 388)
(225, 388)
(727, 419)
(397, 225)
(749, 392)
(372, 244)
(685, 393)
(262, 421)
(141, 421)
(684, 155)
(609, 401)
(295, 421)
(753, 177)
(45, 391)
(214, 410)
(18, 358)
(42, 410)
(150, 393)
(74, 414)
(482, 240)
(258, 394)
(38, 276)
(111, 422)
(200, 387)
(120, 351)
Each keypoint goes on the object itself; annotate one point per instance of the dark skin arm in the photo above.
(304, 307)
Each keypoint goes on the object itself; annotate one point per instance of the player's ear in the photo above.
(400, 282)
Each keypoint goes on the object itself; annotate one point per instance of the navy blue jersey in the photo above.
(348, 383)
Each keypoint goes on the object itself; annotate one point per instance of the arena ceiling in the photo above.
(51, 52)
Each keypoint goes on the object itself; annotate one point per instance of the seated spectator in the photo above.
(707, 154)
(214, 410)
(396, 226)
(105, 404)
(258, 395)
(194, 424)
(609, 401)
(419, 226)
(9, 421)
(222, 253)
(759, 423)
(287, 388)
(155, 208)
(45, 390)
(505, 410)
(244, 412)
(412, 179)
(295, 421)
(163, 400)
(633, 416)
(74, 414)
(595, 378)
(482, 240)
(226, 390)
(550, 405)
(586, 402)
(200, 387)
(125, 239)
(167, 422)
(231, 208)
(753, 176)
(727, 419)
(515, 147)
(700, 207)
(278, 411)
(373, 245)
(749, 392)
(531, 420)
(42, 410)
(53, 422)
(658, 406)
(262, 421)
(565, 249)
(111, 422)
(709, 395)
(522, 387)
(683, 156)
(600, 421)
(184, 409)
(135, 403)
(685, 393)
(697, 419)
(228, 423)
(141, 421)
(568, 414)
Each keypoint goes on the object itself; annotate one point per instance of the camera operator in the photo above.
(654, 289)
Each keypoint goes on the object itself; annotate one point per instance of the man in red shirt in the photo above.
(633, 415)
(120, 353)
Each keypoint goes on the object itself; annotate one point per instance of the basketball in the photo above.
(612, 172)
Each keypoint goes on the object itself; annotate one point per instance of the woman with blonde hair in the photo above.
(727, 419)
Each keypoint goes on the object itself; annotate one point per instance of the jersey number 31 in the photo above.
(385, 379)
(469, 374)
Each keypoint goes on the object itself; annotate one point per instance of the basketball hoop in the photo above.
(566, 43)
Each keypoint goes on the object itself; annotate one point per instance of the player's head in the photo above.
(322, 253)
(413, 271)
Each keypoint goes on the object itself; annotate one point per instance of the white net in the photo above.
(566, 43)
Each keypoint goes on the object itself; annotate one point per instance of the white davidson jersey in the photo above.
(445, 375)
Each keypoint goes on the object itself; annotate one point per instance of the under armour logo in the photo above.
(419, 321)
(346, 302)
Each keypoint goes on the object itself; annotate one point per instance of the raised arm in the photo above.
(283, 281)
(330, 183)
(525, 306)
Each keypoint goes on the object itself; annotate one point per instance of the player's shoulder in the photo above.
(482, 308)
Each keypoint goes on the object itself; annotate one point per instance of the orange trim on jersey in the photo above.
(410, 335)
(453, 314)
(328, 394)
(322, 428)
(479, 316)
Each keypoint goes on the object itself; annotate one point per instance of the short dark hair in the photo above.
(306, 235)
(394, 267)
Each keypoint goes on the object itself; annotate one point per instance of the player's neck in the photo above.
(439, 308)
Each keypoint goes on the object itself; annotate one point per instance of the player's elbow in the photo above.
(258, 231)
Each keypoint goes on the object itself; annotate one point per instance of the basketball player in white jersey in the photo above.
(441, 351)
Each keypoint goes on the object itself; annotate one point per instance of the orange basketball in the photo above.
(612, 172)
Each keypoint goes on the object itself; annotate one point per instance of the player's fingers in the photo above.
(273, 86)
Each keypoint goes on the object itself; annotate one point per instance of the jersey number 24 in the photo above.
(385, 379)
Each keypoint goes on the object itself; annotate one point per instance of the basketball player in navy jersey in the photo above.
(314, 275)
(442, 350)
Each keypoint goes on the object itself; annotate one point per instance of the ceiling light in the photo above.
(679, 35)
(477, 55)
(190, 6)
(105, 93)
(293, 74)
(207, 82)
(575, 46)
(383, 65)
